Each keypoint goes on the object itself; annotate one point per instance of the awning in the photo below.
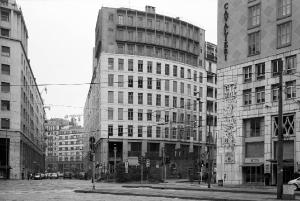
(251, 164)
(284, 160)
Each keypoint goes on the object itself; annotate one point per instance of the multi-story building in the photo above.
(64, 146)
(22, 109)
(150, 70)
(255, 39)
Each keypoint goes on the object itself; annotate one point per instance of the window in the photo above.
(121, 48)
(158, 100)
(5, 69)
(284, 8)
(290, 89)
(260, 71)
(140, 82)
(254, 43)
(284, 34)
(130, 49)
(158, 131)
(110, 113)
(120, 80)
(254, 127)
(149, 131)
(140, 66)
(130, 130)
(140, 98)
(167, 101)
(260, 94)
(288, 125)
(201, 77)
(175, 102)
(5, 51)
(130, 36)
(149, 83)
(247, 71)
(130, 97)
(275, 91)
(181, 102)
(189, 89)
(167, 69)
(130, 20)
(290, 64)
(175, 71)
(140, 115)
(254, 15)
(174, 86)
(111, 17)
(181, 87)
(158, 68)
(130, 64)
(120, 97)
(276, 64)
(149, 99)
(110, 130)
(158, 115)
(130, 81)
(182, 72)
(121, 19)
(120, 34)
(149, 66)
(149, 115)
(149, 23)
(5, 87)
(140, 131)
(110, 63)
(120, 130)
(120, 113)
(121, 64)
(140, 36)
(5, 15)
(167, 132)
(110, 80)
(5, 105)
(167, 116)
(167, 85)
(110, 97)
(158, 84)
(4, 32)
(247, 97)
(130, 114)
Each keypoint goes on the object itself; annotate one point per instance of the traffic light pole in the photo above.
(93, 179)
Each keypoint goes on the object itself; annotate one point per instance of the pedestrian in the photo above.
(28, 175)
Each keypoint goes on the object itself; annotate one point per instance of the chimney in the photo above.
(150, 9)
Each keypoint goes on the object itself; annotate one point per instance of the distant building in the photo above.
(22, 109)
(255, 38)
(64, 146)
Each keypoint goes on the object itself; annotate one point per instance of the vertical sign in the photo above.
(226, 27)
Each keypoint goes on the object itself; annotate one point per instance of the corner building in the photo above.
(22, 108)
(148, 73)
(255, 37)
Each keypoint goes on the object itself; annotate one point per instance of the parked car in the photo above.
(82, 175)
(60, 175)
(43, 176)
(295, 182)
(37, 176)
(53, 176)
(67, 175)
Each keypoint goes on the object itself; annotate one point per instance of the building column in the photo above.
(104, 151)
(144, 147)
(125, 150)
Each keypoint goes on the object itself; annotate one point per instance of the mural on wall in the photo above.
(229, 124)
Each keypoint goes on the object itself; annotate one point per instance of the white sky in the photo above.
(61, 40)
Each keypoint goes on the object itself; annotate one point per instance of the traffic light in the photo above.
(91, 156)
(92, 143)
(167, 160)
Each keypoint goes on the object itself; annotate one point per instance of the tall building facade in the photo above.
(64, 146)
(22, 109)
(255, 38)
(149, 95)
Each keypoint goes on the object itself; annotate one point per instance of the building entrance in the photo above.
(254, 173)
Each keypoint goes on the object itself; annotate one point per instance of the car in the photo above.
(43, 176)
(67, 175)
(53, 176)
(82, 175)
(295, 182)
(60, 175)
(37, 176)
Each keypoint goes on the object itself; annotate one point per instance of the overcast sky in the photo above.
(61, 39)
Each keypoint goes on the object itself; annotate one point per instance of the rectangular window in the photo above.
(158, 132)
(201, 77)
(158, 100)
(121, 48)
(140, 115)
(130, 97)
(110, 80)
(5, 87)
(260, 94)
(175, 71)
(5, 69)
(120, 113)
(290, 89)
(254, 43)
(181, 102)
(110, 97)
(149, 83)
(284, 8)
(247, 71)
(121, 19)
(4, 32)
(182, 72)
(130, 36)
(5, 51)
(158, 84)
(130, 130)
(140, 66)
(110, 130)
(110, 113)
(158, 115)
(166, 132)
(260, 71)
(182, 87)
(120, 130)
(290, 64)
(5, 105)
(149, 115)
(275, 92)
(174, 86)
(110, 63)
(149, 131)
(140, 98)
(158, 68)
(5, 15)
(167, 69)
(140, 131)
(189, 89)
(276, 64)
(254, 15)
(149, 66)
(167, 85)
(130, 49)
(247, 97)
(120, 97)
(140, 36)
(284, 34)
(167, 101)
(130, 114)
(195, 76)
(149, 99)
(130, 64)
(120, 80)
(121, 64)
(175, 102)
(254, 127)
(130, 81)
(140, 82)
